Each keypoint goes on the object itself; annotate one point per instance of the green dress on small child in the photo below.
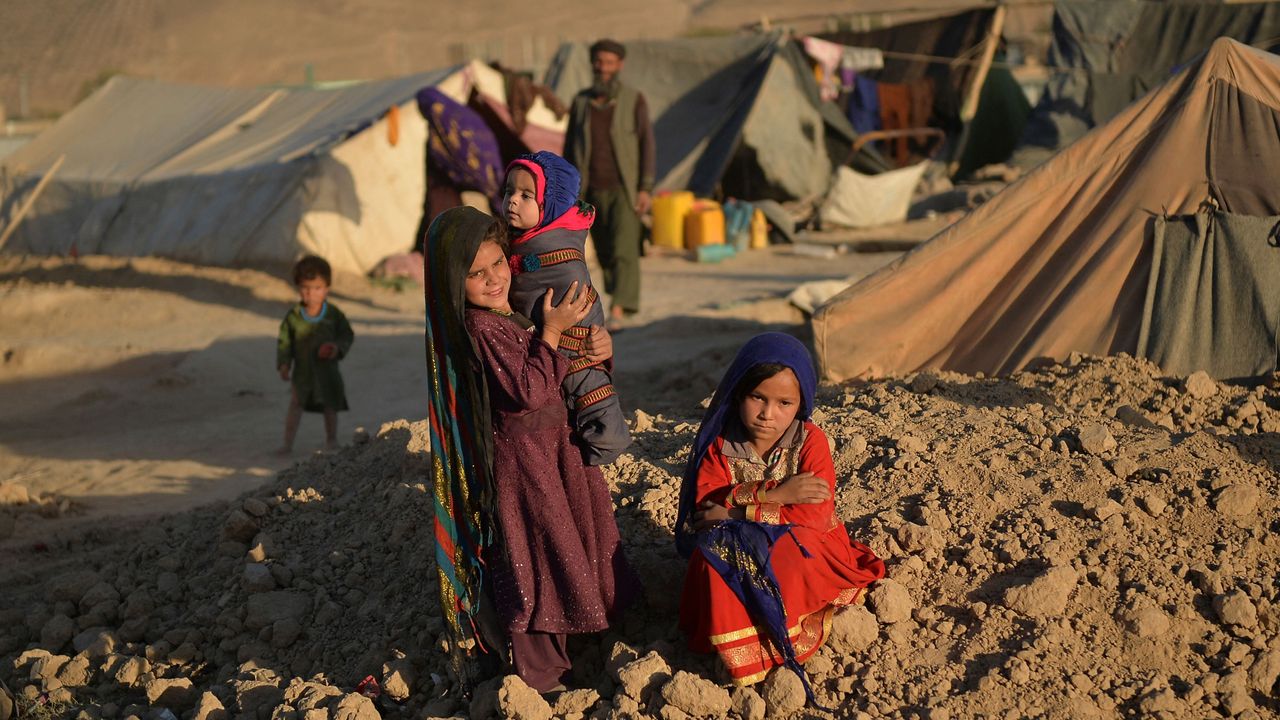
(317, 382)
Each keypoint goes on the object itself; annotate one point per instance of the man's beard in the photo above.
(604, 88)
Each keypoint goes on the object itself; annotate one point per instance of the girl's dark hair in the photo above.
(311, 267)
(752, 379)
(497, 232)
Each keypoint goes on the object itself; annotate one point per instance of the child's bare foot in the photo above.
(330, 445)
(284, 451)
(617, 320)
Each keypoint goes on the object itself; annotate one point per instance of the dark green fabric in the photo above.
(617, 235)
(1002, 113)
(622, 131)
(317, 382)
(1120, 50)
(1213, 298)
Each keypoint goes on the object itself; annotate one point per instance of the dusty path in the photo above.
(146, 386)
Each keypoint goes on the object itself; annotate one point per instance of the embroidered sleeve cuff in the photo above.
(745, 494)
(770, 513)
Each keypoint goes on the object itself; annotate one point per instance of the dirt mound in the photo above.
(1077, 540)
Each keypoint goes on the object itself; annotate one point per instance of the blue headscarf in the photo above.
(771, 347)
(557, 182)
(739, 550)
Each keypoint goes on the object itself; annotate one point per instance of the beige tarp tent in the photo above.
(227, 176)
(1060, 260)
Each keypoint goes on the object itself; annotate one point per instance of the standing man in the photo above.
(610, 141)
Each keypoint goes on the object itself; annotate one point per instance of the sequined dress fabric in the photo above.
(560, 567)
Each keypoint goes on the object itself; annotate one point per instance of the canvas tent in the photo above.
(1062, 260)
(484, 89)
(1105, 55)
(227, 176)
(747, 100)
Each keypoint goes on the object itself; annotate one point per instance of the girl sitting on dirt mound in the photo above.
(769, 560)
(516, 508)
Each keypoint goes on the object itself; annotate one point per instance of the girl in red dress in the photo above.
(770, 562)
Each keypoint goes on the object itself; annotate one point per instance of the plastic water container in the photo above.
(737, 223)
(704, 225)
(714, 253)
(759, 230)
(669, 209)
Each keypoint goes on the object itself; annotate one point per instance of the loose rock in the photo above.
(1236, 608)
(853, 629)
(642, 677)
(697, 697)
(1045, 596)
(354, 706)
(266, 608)
(890, 601)
(209, 707)
(1264, 673)
(748, 704)
(176, 693)
(575, 702)
(1237, 500)
(1095, 439)
(1147, 622)
(57, 632)
(783, 693)
(518, 701)
(1200, 386)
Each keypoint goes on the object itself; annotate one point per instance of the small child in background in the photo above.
(314, 336)
(548, 227)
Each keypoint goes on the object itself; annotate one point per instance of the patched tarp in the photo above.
(710, 97)
(1213, 297)
(1108, 54)
(227, 176)
(1060, 260)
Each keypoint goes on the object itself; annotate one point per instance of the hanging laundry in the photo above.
(861, 59)
(864, 104)
(903, 106)
(833, 59)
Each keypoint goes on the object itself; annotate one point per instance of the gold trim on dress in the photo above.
(806, 637)
(770, 513)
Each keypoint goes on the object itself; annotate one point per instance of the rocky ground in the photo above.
(1084, 539)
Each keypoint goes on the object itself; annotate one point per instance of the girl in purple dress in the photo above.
(515, 506)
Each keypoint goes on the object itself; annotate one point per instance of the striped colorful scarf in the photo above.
(461, 433)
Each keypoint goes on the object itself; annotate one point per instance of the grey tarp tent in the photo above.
(1108, 54)
(716, 99)
(227, 176)
(1061, 260)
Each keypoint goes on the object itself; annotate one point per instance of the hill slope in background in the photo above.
(59, 49)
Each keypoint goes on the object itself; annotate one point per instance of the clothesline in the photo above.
(941, 10)
(962, 59)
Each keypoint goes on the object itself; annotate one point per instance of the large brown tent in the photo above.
(1062, 260)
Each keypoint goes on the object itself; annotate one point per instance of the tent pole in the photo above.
(31, 200)
(970, 107)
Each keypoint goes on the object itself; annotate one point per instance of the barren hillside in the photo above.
(59, 49)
